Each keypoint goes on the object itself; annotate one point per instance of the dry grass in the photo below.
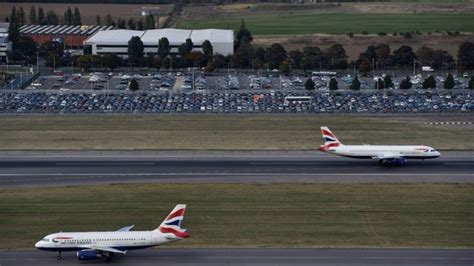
(355, 46)
(222, 132)
(244, 215)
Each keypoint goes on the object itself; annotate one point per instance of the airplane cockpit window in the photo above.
(45, 240)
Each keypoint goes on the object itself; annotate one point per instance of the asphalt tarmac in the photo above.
(203, 256)
(44, 169)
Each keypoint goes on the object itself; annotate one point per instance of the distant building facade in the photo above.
(72, 37)
(5, 44)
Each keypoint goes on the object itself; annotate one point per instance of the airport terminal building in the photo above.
(116, 41)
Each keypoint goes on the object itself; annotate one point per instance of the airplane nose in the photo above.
(38, 244)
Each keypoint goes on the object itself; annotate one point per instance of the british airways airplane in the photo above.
(385, 154)
(102, 245)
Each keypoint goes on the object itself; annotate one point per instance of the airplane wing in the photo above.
(126, 228)
(387, 156)
(106, 249)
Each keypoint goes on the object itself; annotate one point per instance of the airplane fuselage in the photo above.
(74, 241)
(382, 151)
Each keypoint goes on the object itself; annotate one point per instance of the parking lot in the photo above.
(229, 102)
(194, 92)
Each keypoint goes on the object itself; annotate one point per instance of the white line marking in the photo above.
(284, 163)
(458, 163)
(237, 174)
(117, 163)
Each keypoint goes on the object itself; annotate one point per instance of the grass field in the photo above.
(333, 23)
(246, 215)
(224, 132)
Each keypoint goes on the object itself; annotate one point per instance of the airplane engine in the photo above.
(88, 255)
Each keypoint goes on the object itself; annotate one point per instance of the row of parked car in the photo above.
(219, 102)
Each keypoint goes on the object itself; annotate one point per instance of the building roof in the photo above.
(62, 29)
(174, 36)
(114, 36)
(212, 35)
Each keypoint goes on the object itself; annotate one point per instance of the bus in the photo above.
(323, 73)
(297, 99)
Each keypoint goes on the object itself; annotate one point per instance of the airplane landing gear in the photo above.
(108, 256)
(59, 256)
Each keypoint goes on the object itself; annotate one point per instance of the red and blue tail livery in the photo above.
(172, 223)
(330, 140)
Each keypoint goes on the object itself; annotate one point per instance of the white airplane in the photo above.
(98, 245)
(385, 154)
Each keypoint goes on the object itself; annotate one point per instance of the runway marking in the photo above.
(238, 174)
(283, 163)
(99, 163)
(458, 163)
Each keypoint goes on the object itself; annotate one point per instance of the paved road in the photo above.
(22, 169)
(257, 257)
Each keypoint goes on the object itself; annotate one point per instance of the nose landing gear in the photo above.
(59, 256)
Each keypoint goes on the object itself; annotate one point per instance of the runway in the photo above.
(203, 256)
(43, 169)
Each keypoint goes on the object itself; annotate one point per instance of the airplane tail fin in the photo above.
(330, 140)
(172, 223)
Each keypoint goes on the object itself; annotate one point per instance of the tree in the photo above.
(164, 47)
(53, 60)
(52, 18)
(471, 83)
(33, 19)
(218, 61)
(387, 82)
(108, 20)
(379, 84)
(333, 84)
(335, 56)
(98, 20)
(68, 16)
(406, 83)
(309, 85)
(466, 56)
(276, 55)
(112, 61)
(140, 25)
(135, 51)
(404, 56)
(149, 22)
(429, 83)
(355, 85)
(207, 49)
(365, 66)
(449, 82)
(242, 33)
(383, 54)
(21, 17)
(121, 23)
(189, 45)
(296, 57)
(285, 66)
(41, 17)
(133, 85)
(14, 28)
(131, 24)
(51, 47)
(77, 17)
(243, 56)
(312, 57)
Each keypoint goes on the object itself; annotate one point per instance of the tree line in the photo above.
(73, 17)
(248, 56)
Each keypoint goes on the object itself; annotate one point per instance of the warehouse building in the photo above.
(5, 43)
(116, 41)
(72, 37)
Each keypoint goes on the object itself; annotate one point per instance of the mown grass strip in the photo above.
(250, 215)
(339, 23)
(289, 132)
